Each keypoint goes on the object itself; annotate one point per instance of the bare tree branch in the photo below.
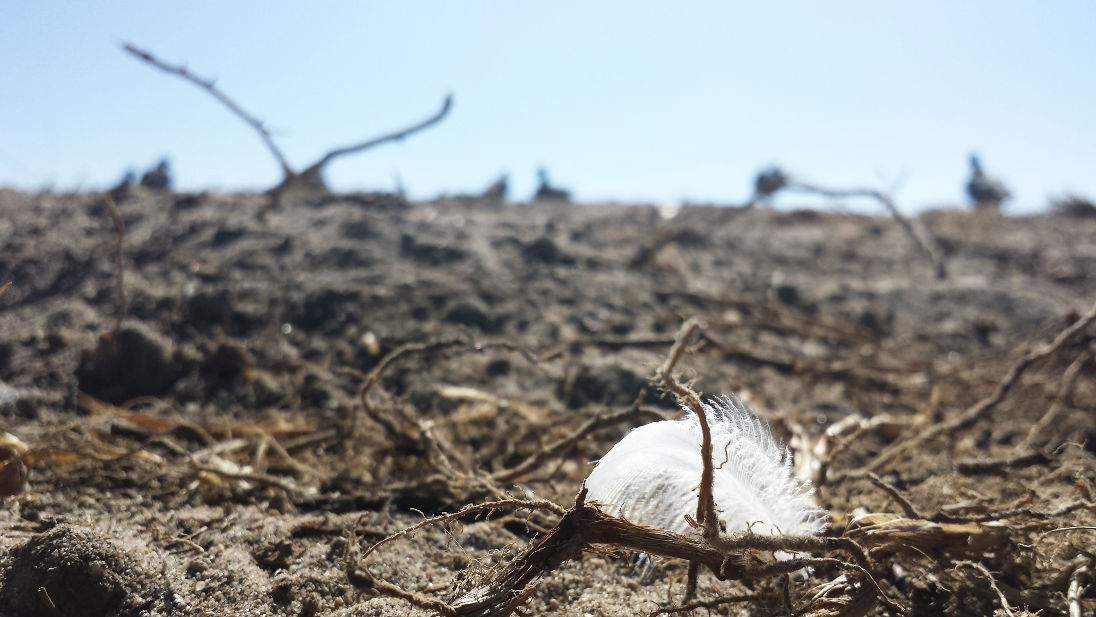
(314, 170)
(209, 86)
(924, 245)
(311, 174)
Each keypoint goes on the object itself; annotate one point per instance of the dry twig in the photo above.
(1046, 534)
(925, 246)
(992, 583)
(258, 478)
(311, 175)
(708, 604)
(902, 502)
(210, 86)
(314, 170)
(455, 471)
(119, 267)
(705, 507)
(1065, 387)
(206, 431)
(362, 579)
(560, 446)
(488, 508)
(1000, 465)
(1076, 590)
(583, 527)
(982, 408)
(375, 375)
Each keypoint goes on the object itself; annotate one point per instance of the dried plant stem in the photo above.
(584, 527)
(983, 466)
(311, 174)
(362, 579)
(490, 506)
(375, 375)
(793, 543)
(258, 478)
(283, 452)
(560, 446)
(992, 583)
(902, 502)
(708, 604)
(398, 353)
(1007, 513)
(1065, 388)
(691, 580)
(121, 301)
(705, 501)
(982, 408)
(705, 507)
(1076, 590)
(47, 601)
(925, 246)
(211, 87)
(1046, 534)
(314, 169)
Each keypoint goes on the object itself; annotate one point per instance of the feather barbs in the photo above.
(651, 476)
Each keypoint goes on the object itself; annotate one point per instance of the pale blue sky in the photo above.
(630, 101)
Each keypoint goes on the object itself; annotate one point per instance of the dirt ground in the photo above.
(211, 453)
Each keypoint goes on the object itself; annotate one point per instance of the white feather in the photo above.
(652, 476)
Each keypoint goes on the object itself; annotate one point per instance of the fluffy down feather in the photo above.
(651, 477)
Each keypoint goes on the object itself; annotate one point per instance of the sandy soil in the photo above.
(209, 454)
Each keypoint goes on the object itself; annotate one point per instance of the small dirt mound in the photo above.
(71, 571)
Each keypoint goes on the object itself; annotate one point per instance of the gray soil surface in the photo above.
(210, 454)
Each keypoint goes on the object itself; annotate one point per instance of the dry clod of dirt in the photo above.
(74, 571)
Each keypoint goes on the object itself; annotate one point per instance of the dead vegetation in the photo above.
(865, 544)
(361, 468)
(774, 180)
(311, 177)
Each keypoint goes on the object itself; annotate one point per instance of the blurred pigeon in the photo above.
(768, 182)
(120, 192)
(497, 190)
(548, 192)
(158, 178)
(986, 192)
(401, 190)
(1075, 206)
